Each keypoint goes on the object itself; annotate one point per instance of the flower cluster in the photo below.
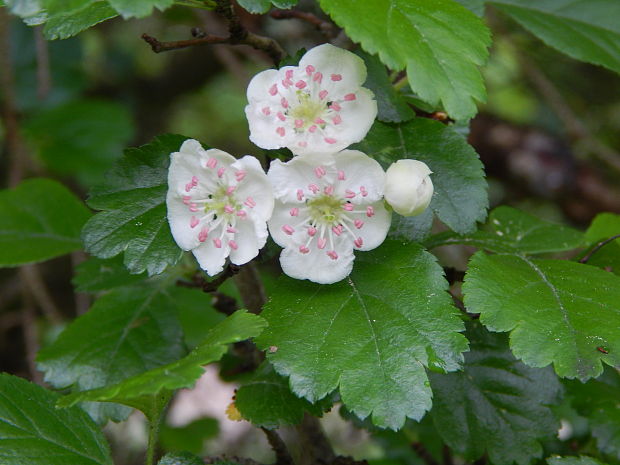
(320, 206)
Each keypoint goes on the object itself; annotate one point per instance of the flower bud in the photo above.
(408, 187)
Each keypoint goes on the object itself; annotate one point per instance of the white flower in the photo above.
(217, 205)
(408, 187)
(327, 207)
(316, 107)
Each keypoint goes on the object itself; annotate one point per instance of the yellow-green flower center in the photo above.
(325, 209)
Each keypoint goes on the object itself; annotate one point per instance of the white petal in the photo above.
(360, 171)
(375, 228)
(264, 129)
(316, 265)
(250, 238)
(298, 173)
(211, 258)
(179, 218)
(258, 88)
(330, 60)
(357, 117)
(186, 164)
(256, 185)
(282, 217)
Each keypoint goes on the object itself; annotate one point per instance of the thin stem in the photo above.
(325, 27)
(401, 83)
(251, 288)
(423, 453)
(597, 247)
(283, 457)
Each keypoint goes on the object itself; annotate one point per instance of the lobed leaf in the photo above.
(441, 44)
(34, 432)
(139, 8)
(557, 311)
(371, 335)
(39, 219)
(605, 226)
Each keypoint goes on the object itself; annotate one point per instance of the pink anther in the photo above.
(304, 249)
(319, 121)
(194, 181)
(318, 77)
(294, 211)
(284, 102)
(312, 128)
(217, 243)
(302, 143)
(300, 84)
(349, 194)
(289, 74)
(288, 229)
(332, 254)
(230, 190)
(314, 188)
(221, 172)
(336, 77)
(337, 230)
(239, 175)
(370, 211)
(359, 242)
(341, 176)
(249, 202)
(266, 111)
(281, 116)
(186, 199)
(300, 195)
(203, 234)
(350, 97)
(358, 224)
(233, 245)
(330, 140)
(193, 222)
(212, 163)
(231, 230)
(188, 187)
(228, 209)
(321, 243)
(335, 106)
(281, 131)
(310, 69)
(311, 231)
(363, 191)
(319, 171)
(329, 190)
(337, 119)
(348, 207)
(273, 90)
(323, 94)
(241, 214)
(193, 207)
(287, 83)
(299, 123)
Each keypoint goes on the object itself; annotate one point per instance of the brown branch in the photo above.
(325, 27)
(44, 78)
(423, 453)
(251, 288)
(314, 443)
(198, 279)
(283, 457)
(31, 275)
(238, 35)
(597, 247)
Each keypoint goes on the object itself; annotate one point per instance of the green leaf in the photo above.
(511, 230)
(267, 401)
(370, 335)
(263, 6)
(190, 437)
(82, 138)
(581, 460)
(31, 11)
(34, 432)
(598, 401)
(126, 332)
(181, 458)
(134, 202)
(441, 43)
(604, 226)
(558, 312)
(476, 6)
(391, 106)
(139, 8)
(65, 25)
(587, 30)
(460, 197)
(138, 390)
(39, 219)
(496, 404)
(96, 275)
(412, 228)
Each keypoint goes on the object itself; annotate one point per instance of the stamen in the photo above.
(303, 143)
(336, 77)
(310, 69)
(289, 74)
(193, 207)
(241, 214)
(217, 243)
(281, 116)
(335, 106)
(233, 245)
(332, 254)
(304, 249)
(194, 181)
(266, 111)
(231, 230)
(212, 163)
(203, 234)
(329, 190)
(288, 229)
(287, 83)
(281, 131)
(330, 140)
(312, 128)
(229, 209)
(370, 211)
(321, 243)
(221, 172)
(311, 231)
(337, 119)
(341, 175)
(319, 121)
(249, 202)
(350, 97)
(300, 195)
(348, 207)
(186, 199)
(294, 211)
(230, 190)
(359, 242)
(193, 222)
(318, 77)
(284, 102)
(323, 94)
(239, 175)
(337, 230)
(319, 171)
(273, 90)
(349, 194)
(363, 191)
(300, 84)
(188, 187)
(299, 123)
(358, 223)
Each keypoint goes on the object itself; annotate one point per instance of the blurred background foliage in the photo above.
(549, 137)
